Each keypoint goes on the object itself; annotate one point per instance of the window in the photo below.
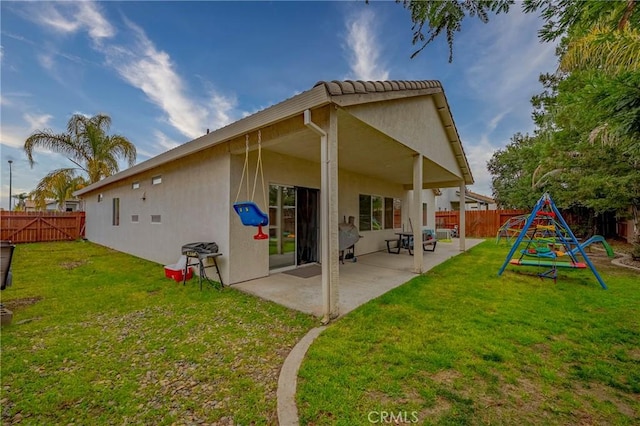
(100, 198)
(397, 213)
(135, 185)
(424, 214)
(116, 212)
(392, 213)
(134, 218)
(365, 212)
(156, 180)
(378, 213)
(156, 218)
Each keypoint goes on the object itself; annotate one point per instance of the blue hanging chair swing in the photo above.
(249, 212)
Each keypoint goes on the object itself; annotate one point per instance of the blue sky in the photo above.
(167, 71)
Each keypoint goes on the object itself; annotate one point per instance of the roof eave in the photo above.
(442, 105)
(313, 98)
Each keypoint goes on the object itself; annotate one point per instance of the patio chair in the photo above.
(429, 238)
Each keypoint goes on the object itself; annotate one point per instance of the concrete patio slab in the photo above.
(371, 276)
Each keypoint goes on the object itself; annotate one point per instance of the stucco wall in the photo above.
(351, 186)
(192, 202)
(249, 258)
(425, 134)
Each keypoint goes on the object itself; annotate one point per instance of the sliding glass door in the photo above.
(293, 226)
(282, 226)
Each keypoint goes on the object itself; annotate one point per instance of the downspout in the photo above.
(324, 215)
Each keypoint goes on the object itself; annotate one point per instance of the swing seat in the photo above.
(250, 214)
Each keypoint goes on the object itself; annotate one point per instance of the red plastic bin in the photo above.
(177, 274)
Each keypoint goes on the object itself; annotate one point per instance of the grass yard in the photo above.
(460, 345)
(101, 337)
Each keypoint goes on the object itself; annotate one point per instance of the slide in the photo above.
(595, 239)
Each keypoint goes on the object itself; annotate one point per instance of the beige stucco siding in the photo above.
(351, 186)
(415, 123)
(192, 202)
(249, 258)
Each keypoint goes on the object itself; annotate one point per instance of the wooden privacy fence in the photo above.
(32, 227)
(479, 223)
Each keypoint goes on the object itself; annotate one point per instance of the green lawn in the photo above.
(288, 246)
(460, 345)
(101, 337)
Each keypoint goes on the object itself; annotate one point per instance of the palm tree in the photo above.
(59, 186)
(87, 145)
(609, 44)
(611, 52)
(20, 204)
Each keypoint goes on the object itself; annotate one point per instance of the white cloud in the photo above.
(502, 61)
(46, 61)
(161, 142)
(493, 123)
(505, 58)
(364, 54)
(89, 15)
(151, 70)
(478, 154)
(14, 136)
(37, 121)
(141, 64)
(72, 17)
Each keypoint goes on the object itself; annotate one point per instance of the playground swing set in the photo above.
(550, 243)
(249, 212)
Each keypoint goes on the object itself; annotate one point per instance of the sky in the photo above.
(165, 72)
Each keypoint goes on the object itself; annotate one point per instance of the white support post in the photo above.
(416, 215)
(328, 213)
(332, 230)
(463, 210)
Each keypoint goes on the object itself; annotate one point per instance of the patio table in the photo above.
(404, 241)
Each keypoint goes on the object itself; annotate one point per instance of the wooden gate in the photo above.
(31, 227)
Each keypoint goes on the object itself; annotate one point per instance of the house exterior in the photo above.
(69, 206)
(341, 150)
(72, 205)
(449, 200)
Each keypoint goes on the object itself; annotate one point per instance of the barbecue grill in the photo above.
(201, 251)
(348, 236)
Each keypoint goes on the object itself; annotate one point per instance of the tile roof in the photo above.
(348, 87)
(481, 197)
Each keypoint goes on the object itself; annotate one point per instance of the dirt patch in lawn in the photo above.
(603, 394)
(73, 264)
(445, 376)
(19, 303)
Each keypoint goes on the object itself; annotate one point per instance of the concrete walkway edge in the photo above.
(288, 380)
